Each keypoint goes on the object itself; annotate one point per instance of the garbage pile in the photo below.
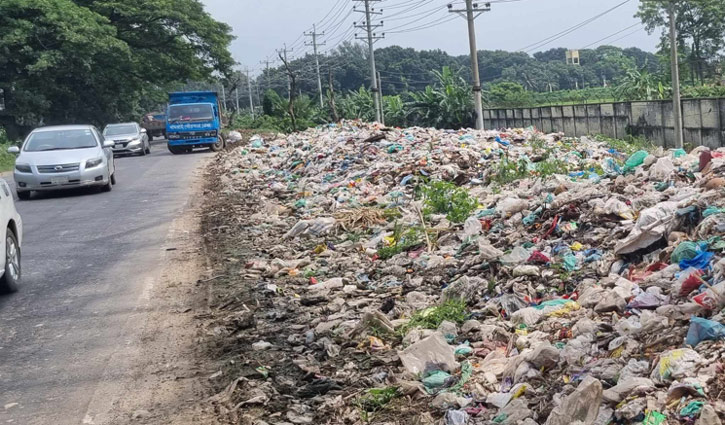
(420, 276)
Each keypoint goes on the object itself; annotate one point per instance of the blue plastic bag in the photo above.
(704, 330)
(701, 261)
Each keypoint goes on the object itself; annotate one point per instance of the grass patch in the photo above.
(552, 166)
(509, 171)
(7, 160)
(403, 240)
(375, 400)
(430, 318)
(442, 197)
(628, 145)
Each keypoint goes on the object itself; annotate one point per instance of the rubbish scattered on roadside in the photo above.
(469, 277)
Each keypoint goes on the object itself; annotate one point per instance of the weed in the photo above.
(446, 198)
(452, 310)
(509, 171)
(392, 214)
(403, 240)
(7, 160)
(552, 166)
(354, 237)
(374, 400)
(629, 145)
(538, 144)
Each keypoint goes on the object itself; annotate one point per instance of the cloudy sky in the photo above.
(261, 26)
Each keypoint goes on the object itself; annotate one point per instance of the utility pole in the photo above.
(283, 53)
(224, 99)
(314, 45)
(382, 104)
(266, 63)
(371, 38)
(472, 12)
(676, 102)
(236, 99)
(251, 101)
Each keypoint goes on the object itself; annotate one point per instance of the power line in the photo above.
(548, 40)
(611, 35)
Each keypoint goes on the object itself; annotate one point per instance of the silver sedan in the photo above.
(63, 157)
(129, 138)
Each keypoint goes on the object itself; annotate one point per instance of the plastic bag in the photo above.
(704, 330)
(675, 364)
(653, 224)
(684, 251)
(636, 159)
(581, 405)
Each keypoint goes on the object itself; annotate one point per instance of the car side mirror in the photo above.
(14, 150)
(143, 130)
(108, 144)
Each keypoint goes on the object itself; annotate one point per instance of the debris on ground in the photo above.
(421, 276)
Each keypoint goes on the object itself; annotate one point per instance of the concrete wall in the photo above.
(704, 120)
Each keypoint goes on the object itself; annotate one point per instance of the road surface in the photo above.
(89, 259)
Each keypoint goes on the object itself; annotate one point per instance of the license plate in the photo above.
(59, 180)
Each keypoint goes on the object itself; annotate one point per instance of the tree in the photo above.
(508, 94)
(67, 61)
(700, 29)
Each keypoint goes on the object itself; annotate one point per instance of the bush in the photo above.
(7, 160)
(446, 198)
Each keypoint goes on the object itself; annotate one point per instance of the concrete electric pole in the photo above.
(676, 101)
(314, 45)
(472, 12)
(266, 63)
(283, 52)
(382, 104)
(251, 99)
(371, 38)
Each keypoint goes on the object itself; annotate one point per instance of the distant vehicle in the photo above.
(155, 124)
(63, 157)
(129, 138)
(193, 120)
(11, 234)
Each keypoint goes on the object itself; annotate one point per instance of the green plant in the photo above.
(628, 145)
(403, 240)
(453, 310)
(552, 166)
(7, 160)
(509, 171)
(374, 400)
(441, 197)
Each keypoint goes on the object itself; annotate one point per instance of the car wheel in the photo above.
(24, 196)
(108, 187)
(148, 148)
(113, 178)
(143, 151)
(9, 281)
(219, 145)
(176, 150)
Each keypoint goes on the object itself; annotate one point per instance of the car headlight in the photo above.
(91, 163)
(23, 168)
(134, 142)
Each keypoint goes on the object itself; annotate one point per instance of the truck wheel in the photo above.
(24, 196)
(219, 145)
(176, 150)
(9, 281)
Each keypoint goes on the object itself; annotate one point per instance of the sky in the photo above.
(262, 26)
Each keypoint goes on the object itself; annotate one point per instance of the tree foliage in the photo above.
(94, 61)
(700, 32)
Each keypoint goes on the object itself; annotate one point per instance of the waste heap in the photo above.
(414, 276)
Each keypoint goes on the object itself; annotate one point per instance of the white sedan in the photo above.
(11, 232)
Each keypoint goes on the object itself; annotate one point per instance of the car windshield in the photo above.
(190, 113)
(115, 130)
(60, 140)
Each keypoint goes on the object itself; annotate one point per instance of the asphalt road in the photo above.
(87, 259)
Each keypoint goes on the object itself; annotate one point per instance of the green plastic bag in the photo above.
(636, 159)
(685, 251)
(654, 418)
(435, 381)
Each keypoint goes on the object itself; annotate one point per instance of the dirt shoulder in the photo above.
(167, 373)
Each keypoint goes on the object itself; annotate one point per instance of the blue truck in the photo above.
(194, 120)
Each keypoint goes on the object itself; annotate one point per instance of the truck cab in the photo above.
(193, 120)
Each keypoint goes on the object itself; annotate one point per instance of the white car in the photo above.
(12, 237)
(63, 157)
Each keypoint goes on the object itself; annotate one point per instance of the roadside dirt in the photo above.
(167, 371)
